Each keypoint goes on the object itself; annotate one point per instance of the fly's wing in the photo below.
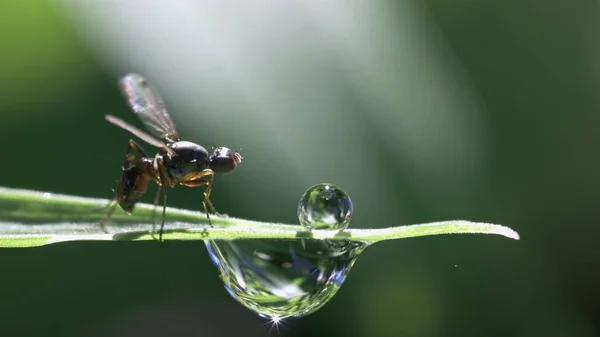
(135, 131)
(147, 104)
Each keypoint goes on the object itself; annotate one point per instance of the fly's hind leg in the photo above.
(199, 179)
(132, 145)
(112, 205)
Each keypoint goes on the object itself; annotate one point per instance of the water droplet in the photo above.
(281, 278)
(325, 206)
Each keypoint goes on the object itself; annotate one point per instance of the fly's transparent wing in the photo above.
(147, 104)
(135, 131)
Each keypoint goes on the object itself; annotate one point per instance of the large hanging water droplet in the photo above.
(287, 278)
(325, 206)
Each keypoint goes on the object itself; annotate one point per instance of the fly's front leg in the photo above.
(202, 178)
(208, 191)
(198, 179)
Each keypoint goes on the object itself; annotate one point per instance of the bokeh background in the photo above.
(420, 110)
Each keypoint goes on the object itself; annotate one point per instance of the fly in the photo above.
(177, 162)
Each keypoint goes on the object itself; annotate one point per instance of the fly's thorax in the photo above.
(187, 158)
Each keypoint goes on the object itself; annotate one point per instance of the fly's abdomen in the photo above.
(132, 186)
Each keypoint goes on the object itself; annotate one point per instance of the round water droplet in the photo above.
(325, 206)
(282, 279)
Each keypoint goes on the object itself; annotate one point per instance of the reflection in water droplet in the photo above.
(283, 278)
(325, 206)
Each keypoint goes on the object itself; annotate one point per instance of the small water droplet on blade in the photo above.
(325, 206)
(281, 278)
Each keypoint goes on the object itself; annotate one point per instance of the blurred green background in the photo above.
(421, 111)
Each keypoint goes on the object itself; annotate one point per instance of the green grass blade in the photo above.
(30, 218)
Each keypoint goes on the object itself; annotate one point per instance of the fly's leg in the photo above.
(200, 179)
(162, 224)
(207, 193)
(155, 203)
(163, 178)
(129, 157)
(112, 205)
